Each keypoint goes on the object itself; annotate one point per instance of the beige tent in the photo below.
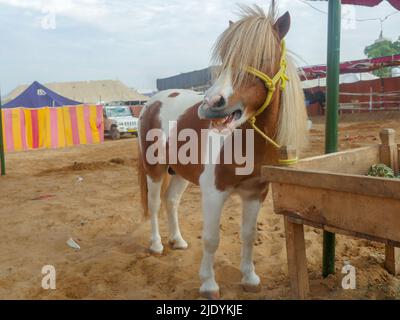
(89, 91)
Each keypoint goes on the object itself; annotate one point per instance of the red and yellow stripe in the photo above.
(47, 127)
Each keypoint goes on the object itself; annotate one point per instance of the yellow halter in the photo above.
(270, 84)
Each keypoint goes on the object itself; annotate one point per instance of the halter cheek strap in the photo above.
(270, 84)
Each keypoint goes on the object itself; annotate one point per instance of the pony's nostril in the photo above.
(217, 101)
(220, 103)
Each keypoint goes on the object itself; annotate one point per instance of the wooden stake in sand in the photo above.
(2, 158)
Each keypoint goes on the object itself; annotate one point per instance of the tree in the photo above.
(380, 48)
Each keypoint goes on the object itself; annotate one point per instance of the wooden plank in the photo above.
(295, 218)
(355, 161)
(361, 235)
(361, 214)
(297, 261)
(356, 184)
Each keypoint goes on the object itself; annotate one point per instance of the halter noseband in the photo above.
(270, 84)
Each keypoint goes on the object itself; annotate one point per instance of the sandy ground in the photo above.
(90, 193)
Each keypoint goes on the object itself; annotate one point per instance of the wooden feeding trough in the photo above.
(332, 192)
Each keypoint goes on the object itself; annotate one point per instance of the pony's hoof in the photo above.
(178, 244)
(210, 295)
(253, 288)
(156, 249)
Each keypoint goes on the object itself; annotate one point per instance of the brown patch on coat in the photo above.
(173, 94)
(150, 119)
(190, 119)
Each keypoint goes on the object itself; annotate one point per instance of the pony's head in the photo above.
(253, 43)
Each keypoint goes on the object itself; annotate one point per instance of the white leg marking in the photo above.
(212, 203)
(154, 201)
(172, 198)
(251, 208)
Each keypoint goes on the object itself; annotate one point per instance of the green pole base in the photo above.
(328, 260)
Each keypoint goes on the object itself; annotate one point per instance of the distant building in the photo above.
(97, 91)
(199, 80)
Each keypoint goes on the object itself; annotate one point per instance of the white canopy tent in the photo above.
(343, 78)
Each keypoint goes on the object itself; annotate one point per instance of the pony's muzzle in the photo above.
(205, 111)
(216, 102)
(213, 107)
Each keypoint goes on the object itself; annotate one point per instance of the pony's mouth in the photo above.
(227, 122)
(227, 118)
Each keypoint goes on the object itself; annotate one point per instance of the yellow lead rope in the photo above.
(270, 84)
(252, 121)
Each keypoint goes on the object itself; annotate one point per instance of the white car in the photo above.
(118, 120)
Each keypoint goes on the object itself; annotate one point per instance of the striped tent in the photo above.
(28, 123)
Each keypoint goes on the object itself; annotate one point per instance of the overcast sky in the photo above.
(138, 41)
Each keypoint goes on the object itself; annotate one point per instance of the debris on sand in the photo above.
(71, 243)
(43, 196)
(117, 161)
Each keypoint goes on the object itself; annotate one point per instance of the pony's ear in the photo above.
(282, 25)
(231, 23)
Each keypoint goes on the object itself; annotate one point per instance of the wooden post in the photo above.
(388, 149)
(297, 260)
(392, 259)
(295, 244)
(389, 156)
(287, 152)
(2, 158)
(398, 156)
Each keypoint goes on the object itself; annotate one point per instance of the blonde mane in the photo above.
(252, 41)
(292, 123)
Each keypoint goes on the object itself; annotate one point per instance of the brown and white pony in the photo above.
(253, 41)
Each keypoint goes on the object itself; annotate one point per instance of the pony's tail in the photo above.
(142, 178)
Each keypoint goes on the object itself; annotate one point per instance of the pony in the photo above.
(256, 86)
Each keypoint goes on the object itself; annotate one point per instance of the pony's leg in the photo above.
(154, 201)
(172, 198)
(212, 202)
(250, 280)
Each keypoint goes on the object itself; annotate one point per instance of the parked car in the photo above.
(118, 121)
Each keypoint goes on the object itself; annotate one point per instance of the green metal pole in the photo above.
(331, 125)
(2, 159)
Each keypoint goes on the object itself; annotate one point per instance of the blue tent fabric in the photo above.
(38, 96)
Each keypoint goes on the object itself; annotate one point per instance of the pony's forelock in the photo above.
(251, 41)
